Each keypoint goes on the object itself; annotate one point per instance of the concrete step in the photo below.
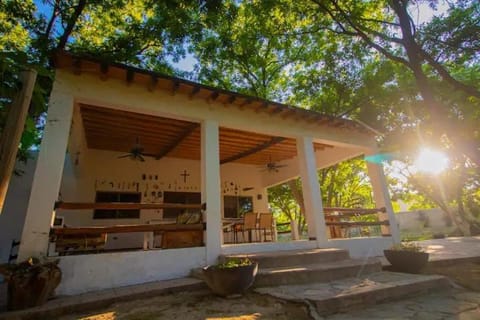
(318, 272)
(359, 292)
(294, 257)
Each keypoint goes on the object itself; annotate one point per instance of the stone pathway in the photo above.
(343, 287)
(457, 304)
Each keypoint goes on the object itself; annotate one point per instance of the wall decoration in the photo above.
(185, 175)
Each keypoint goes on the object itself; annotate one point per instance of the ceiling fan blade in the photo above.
(124, 156)
(141, 157)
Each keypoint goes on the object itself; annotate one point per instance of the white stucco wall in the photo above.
(103, 171)
(94, 272)
(363, 247)
(419, 219)
(13, 215)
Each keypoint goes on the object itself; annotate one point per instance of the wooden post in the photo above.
(13, 130)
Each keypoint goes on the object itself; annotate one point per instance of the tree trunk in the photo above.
(298, 196)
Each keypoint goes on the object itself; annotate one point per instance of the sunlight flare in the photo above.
(431, 161)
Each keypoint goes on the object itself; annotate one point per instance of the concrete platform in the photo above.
(345, 294)
(449, 251)
(294, 257)
(319, 272)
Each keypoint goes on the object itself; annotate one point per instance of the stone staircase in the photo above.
(329, 281)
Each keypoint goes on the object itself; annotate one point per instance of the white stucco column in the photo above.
(311, 191)
(382, 199)
(48, 175)
(210, 167)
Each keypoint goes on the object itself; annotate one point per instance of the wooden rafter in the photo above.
(152, 84)
(188, 131)
(194, 91)
(129, 76)
(253, 150)
(104, 71)
(110, 129)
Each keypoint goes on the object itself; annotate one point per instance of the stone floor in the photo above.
(455, 305)
(342, 287)
(450, 248)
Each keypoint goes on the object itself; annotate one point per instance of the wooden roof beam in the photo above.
(175, 87)
(213, 96)
(245, 103)
(253, 150)
(129, 76)
(153, 83)
(195, 90)
(262, 106)
(77, 66)
(187, 132)
(230, 100)
(104, 71)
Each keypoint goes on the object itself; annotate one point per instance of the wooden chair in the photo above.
(248, 225)
(265, 224)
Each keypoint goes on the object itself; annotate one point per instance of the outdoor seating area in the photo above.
(252, 227)
(186, 231)
(355, 222)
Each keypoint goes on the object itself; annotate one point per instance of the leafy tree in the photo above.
(143, 33)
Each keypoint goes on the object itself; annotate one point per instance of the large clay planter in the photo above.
(406, 261)
(228, 281)
(32, 288)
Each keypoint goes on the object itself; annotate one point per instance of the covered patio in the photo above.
(155, 162)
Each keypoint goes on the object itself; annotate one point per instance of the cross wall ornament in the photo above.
(185, 175)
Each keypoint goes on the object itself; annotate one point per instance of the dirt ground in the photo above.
(199, 305)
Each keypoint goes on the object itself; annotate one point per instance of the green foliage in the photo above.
(234, 262)
(407, 246)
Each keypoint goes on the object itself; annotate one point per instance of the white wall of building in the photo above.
(93, 272)
(104, 171)
(12, 217)
(435, 219)
(363, 247)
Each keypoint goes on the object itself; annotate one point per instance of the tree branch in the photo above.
(470, 90)
(71, 24)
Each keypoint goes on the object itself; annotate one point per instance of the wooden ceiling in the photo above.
(116, 130)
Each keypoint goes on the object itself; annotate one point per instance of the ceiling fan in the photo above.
(272, 166)
(135, 153)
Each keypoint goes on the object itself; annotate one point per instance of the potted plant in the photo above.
(233, 276)
(30, 283)
(406, 257)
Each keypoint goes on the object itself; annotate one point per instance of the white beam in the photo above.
(48, 175)
(210, 167)
(311, 191)
(382, 199)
